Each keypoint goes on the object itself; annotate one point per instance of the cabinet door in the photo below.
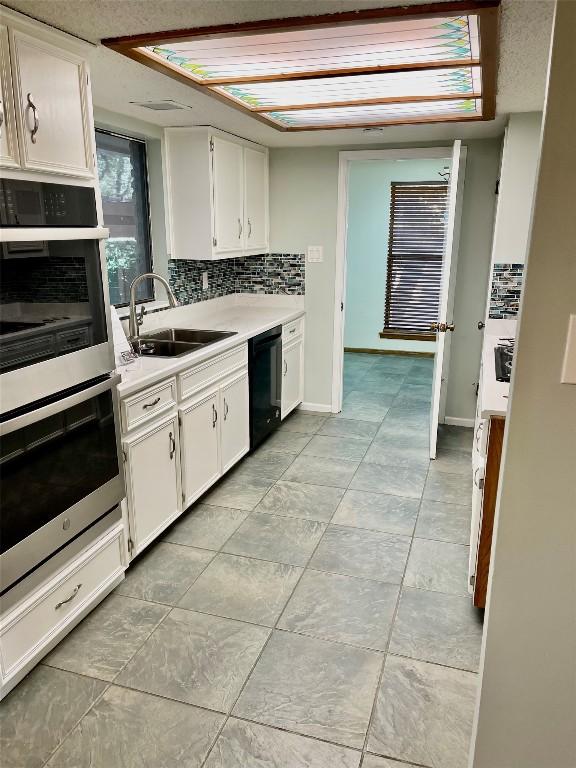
(256, 199)
(153, 481)
(234, 429)
(199, 439)
(8, 140)
(228, 195)
(52, 109)
(291, 376)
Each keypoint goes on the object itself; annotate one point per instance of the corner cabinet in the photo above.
(217, 195)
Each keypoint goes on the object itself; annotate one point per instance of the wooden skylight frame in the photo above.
(378, 67)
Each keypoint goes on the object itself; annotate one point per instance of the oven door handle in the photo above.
(62, 404)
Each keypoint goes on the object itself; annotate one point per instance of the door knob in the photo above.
(442, 327)
(447, 327)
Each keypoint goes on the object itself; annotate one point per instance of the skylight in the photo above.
(346, 70)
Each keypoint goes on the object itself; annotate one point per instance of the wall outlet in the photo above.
(204, 281)
(315, 253)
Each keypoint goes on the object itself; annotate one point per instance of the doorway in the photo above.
(397, 241)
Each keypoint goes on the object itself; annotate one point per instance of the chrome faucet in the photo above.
(133, 324)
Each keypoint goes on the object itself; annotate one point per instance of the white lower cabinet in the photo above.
(234, 424)
(292, 370)
(153, 481)
(200, 447)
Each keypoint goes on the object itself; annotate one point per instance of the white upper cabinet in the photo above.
(52, 109)
(228, 183)
(217, 195)
(256, 198)
(9, 157)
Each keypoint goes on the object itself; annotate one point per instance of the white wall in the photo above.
(517, 180)
(303, 207)
(527, 713)
(369, 195)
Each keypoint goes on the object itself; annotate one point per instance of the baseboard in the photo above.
(456, 421)
(318, 407)
(367, 351)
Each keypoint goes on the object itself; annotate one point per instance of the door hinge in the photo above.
(214, 242)
(211, 145)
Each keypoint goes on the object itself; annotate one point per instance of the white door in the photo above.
(153, 481)
(199, 441)
(51, 107)
(228, 195)
(8, 139)
(256, 198)
(445, 324)
(234, 427)
(291, 376)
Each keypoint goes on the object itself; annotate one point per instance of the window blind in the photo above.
(415, 254)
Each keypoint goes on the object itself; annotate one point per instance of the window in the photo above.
(415, 254)
(124, 187)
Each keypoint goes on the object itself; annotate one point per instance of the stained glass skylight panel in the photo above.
(413, 64)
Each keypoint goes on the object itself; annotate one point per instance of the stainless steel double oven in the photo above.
(60, 466)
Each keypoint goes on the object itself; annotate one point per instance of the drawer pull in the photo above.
(292, 331)
(214, 417)
(226, 409)
(68, 599)
(152, 404)
(285, 367)
(172, 445)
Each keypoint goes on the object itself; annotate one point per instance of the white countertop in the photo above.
(493, 393)
(248, 315)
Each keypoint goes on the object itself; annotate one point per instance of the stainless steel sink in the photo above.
(172, 342)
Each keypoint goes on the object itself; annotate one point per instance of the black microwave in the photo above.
(26, 203)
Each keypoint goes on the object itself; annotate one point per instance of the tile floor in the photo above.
(310, 612)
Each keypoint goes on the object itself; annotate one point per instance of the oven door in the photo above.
(60, 472)
(54, 329)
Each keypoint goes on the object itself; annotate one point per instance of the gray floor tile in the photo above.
(390, 455)
(197, 659)
(369, 397)
(362, 412)
(450, 488)
(424, 714)
(415, 391)
(444, 629)
(403, 439)
(249, 745)
(337, 447)
(40, 711)
(341, 608)
(377, 512)
(444, 522)
(321, 471)
(129, 729)
(243, 588)
(306, 423)
(313, 687)
(164, 572)
(452, 461)
(265, 464)
(106, 640)
(309, 502)
(282, 441)
(281, 539)
(457, 438)
(438, 566)
(349, 428)
(367, 554)
(373, 761)
(239, 492)
(205, 526)
(396, 481)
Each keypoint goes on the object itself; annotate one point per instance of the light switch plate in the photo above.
(315, 253)
(569, 366)
(204, 281)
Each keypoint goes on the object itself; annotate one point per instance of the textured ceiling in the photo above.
(524, 44)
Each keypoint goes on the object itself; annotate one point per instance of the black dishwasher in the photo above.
(265, 374)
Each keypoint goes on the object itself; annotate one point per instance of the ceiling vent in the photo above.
(161, 106)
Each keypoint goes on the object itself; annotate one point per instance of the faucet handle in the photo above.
(140, 316)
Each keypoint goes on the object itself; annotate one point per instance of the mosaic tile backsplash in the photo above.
(264, 273)
(505, 291)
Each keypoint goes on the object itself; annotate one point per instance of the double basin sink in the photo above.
(172, 342)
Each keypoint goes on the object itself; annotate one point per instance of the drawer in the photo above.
(145, 405)
(206, 373)
(74, 339)
(293, 329)
(42, 616)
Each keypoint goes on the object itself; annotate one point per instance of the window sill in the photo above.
(407, 336)
(151, 306)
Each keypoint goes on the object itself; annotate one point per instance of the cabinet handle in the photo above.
(214, 416)
(225, 409)
(249, 228)
(285, 367)
(68, 599)
(292, 331)
(239, 229)
(152, 404)
(478, 431)
(172, 445)
(480, 483)
(36, 115)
